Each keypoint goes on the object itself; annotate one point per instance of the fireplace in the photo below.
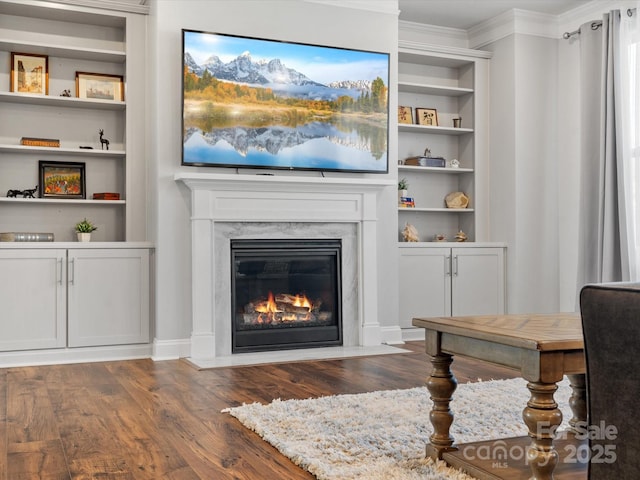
(226, 207)
(286, 294)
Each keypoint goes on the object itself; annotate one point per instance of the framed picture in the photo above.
(29, 73)
(62, 180)
(427, 116)
(99, 86)
(405, 115)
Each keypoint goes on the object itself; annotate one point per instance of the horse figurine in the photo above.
(25, 193)
(103, 141)
(29, 192)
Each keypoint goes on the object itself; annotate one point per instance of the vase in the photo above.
(84, 236)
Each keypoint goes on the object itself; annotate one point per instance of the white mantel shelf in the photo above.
(272, 198)
(257, 202)
(225, 181)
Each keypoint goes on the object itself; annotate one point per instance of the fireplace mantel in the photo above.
(258, 199)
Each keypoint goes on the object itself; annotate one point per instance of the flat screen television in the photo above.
(256, 103)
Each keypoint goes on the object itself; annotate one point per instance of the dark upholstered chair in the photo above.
(611, 326)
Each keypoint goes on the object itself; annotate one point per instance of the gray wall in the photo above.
(524, 168)
(297, 21)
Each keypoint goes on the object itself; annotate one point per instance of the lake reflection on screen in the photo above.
(351, 145)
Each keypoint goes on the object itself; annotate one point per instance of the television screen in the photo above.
(253, 103)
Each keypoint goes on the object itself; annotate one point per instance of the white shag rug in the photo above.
(382, 435)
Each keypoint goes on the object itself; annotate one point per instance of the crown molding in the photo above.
(511, 22)
(540, 24)
(389, 7)
(445, 34)
(115, 5)
(442, 49)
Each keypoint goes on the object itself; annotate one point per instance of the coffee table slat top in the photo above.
(543, 332)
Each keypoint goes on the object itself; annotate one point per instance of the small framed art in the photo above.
(29, 73)
(405, 115)
(99, 86)
(427, 116)
(62, 180)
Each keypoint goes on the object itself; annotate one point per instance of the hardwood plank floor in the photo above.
(140, 419)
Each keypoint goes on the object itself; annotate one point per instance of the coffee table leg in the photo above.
(542, 416)
(441, 385)
(578, 400)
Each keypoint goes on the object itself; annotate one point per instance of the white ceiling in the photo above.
(464, 14)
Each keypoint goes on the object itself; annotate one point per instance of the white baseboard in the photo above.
(412, 334)
(74, 355)
(171, 349)
(391, 335)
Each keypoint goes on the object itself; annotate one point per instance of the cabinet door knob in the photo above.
(455, 265)
(447, 266)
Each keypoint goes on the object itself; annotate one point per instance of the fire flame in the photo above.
(268, 311)
(302, 302)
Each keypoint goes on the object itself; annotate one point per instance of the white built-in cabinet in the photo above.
(454, 82)
(446, 278)
(33, 299)
(73, 297)
(108, 296)
(74, 39)
(62, 296)
(451, 280)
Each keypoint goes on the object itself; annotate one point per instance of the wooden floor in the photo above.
(161, 420)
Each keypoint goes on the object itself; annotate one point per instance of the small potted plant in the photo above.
(403, 187)
(84, 229)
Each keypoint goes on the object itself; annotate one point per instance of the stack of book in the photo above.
(422, 161)
(406, 202)
(40, 142)
(26, 237)
(106, 196)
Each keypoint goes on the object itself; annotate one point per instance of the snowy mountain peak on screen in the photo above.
(244, 70)
(275, 75)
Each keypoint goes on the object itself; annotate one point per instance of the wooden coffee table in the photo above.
(543, 348)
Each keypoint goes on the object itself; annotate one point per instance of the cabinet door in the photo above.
(32, 299)
(425, 286)
(108, 294)
(477, 282)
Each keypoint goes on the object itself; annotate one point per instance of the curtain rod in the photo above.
(594, 25)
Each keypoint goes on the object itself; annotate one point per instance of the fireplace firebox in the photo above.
(286, 294)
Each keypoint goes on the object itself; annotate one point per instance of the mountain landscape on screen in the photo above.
(259, 103)
(275, 75)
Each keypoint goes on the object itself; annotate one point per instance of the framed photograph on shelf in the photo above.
(29, 73)
(405, 115)
(99, 86)
(62, 180)
(427, 116)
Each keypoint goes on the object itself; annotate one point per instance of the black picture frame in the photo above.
(62, 180)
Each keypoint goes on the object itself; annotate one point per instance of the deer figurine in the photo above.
(103, 141)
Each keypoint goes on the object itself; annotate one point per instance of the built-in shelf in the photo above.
(453, 82)
(414, 168)
(59, 101)
(427, 89)
(405, 127)
(60, 201)
(443, 210)
(96, 54)
(84, 152)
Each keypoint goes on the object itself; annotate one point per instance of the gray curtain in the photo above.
(599, 250)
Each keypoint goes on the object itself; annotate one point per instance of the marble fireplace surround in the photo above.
(226, 206)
